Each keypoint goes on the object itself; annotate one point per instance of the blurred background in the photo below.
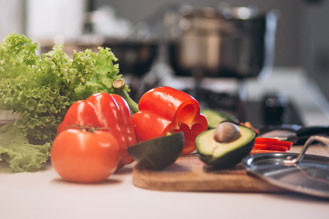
(263, 61)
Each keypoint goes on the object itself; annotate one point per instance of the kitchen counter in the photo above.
(43, 194)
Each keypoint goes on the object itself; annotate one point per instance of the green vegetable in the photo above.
(16, 151)
(41, 88)
(228, 154)
(158, 153)
(215, 117)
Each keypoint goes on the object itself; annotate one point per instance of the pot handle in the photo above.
(322, 139)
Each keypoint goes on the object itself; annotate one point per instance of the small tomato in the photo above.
(83, 156)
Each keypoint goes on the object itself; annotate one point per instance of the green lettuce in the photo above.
(18, 153)
(40, 88)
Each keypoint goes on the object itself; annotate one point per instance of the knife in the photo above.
(294, 133)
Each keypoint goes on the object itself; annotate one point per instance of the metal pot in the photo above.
(221, 42)
(135, 56)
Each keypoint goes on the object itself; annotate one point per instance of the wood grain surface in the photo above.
(188, 173)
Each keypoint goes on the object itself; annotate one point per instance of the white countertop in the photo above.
(44, 195)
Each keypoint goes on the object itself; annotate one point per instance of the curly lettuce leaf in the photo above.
(41, 88)
(18, 153)
(96, 72)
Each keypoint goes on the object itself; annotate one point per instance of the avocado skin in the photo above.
(215, 117)
(158, 153)
(230, 159)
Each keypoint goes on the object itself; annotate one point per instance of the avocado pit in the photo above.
(226, 132)
(238, 144)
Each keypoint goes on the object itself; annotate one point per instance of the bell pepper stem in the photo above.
(118, 86)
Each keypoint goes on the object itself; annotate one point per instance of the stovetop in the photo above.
(254, 111)
(259, 112)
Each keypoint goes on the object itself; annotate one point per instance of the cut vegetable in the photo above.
(272, 144)
(272, 147)
(164, 110)
(275, 141)
(256, 151)
(226, 132)
(224, 155)
(215, 117)
(158, 153)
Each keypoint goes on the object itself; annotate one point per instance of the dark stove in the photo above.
(258, 112)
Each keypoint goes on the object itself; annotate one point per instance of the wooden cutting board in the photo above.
(190, 174)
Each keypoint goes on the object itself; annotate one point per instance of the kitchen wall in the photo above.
(302, 30)
(11, 17)
(288, 41)
(293, 31)
(315, 43)
(48, 18)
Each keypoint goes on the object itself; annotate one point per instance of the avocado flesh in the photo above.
(215, 117)
(224, 155)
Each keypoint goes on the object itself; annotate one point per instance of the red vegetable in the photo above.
(107, 111)
(266, 145)
(83, 156)
(257, 151)
(265, 140)
(273, 141)
(165, 110)
(270, 147)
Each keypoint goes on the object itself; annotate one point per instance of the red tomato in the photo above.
(83, 156)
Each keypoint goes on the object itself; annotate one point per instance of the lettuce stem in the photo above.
(118, 86)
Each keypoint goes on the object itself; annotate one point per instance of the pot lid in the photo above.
(302, 173)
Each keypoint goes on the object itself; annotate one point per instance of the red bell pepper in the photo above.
(266, 145)
(258, 151)
(273, 147)
(273, 141)
(103, 111)
(165, 110)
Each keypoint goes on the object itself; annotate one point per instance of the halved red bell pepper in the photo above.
(273, 147)
(273, 141)
(165, 110)
(104, 111)
(258, 151)
(266, 145)
(261, 140)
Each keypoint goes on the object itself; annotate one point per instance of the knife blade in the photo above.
(294, 133)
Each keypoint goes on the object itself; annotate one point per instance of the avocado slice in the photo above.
(215, 117)
(158, 153)
(224, 155)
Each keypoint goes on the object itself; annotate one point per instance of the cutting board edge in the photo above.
(143, 179)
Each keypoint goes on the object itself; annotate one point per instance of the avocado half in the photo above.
(224, 155)
(158, 153)
(215, 117)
